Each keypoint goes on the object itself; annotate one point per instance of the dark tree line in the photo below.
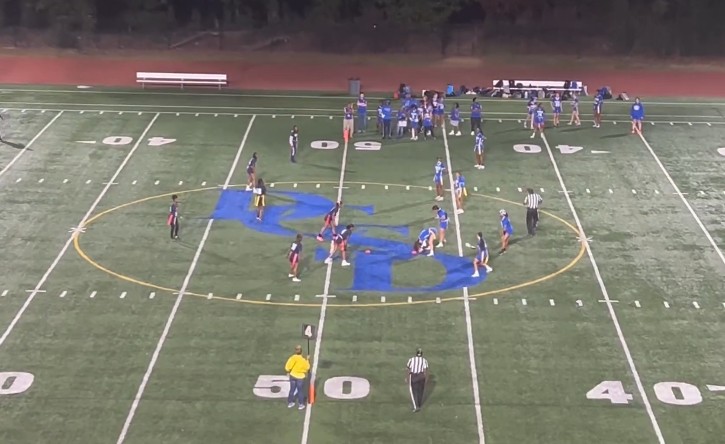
(666, 27)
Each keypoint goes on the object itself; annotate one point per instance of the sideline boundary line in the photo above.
(73, 235)
(466, 301)
(607, 299)
(323, 307)
(179, 298)
(679, 193)
(27, 147)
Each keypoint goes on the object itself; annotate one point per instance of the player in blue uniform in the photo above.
(598, 104)
(438, 169)
(362, 113)
(539, 121)
(481, 259)
(294, 140)
(339, 243)
(330, 221)
(531, 106)
(506, 230)
(637, 113)
(294, 254)
(442, 217)
(459, 187)
(478, 148)
(173, 220)
(252, 172)
(476, 116)
(575, 120)
(455, 118)
(556, 108)
(414, 122)
(425, 242)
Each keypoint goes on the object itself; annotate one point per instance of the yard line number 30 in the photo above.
(673, 393)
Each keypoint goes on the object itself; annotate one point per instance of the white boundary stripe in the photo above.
(323, 306)
(63, 250)
(177, 303)
(466, 301)
(683, 198)
(32, 141)
(610, 307)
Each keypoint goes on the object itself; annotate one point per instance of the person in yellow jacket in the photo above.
(297, 368)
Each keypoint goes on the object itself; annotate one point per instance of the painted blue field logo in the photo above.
(371, 272)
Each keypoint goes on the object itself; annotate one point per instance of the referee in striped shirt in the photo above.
(417, 374)
(532, 201)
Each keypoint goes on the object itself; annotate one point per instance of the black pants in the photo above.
(175, 229)
(387, 132)
(532, 220)
(475, 123)
(417, 389)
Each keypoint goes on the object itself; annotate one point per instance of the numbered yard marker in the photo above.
(14, 383)
(309, 331)
(117, 140)
(527, 149)
(324, 144)
(160, 141)
(271, 387)
(368, 146)
(343, 388)
(678, 393)
(612, 391)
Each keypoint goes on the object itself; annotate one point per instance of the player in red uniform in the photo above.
(295, 250)
(330, 221)
(173, 220)
(339, 243)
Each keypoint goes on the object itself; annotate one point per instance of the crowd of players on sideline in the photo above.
(416, 117)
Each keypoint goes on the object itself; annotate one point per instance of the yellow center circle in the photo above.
(94, 219)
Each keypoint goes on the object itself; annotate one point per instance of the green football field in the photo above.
(608, 326)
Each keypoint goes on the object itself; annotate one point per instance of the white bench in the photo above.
(539, 85)
(181, 79)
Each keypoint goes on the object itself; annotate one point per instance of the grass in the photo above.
(89, 336)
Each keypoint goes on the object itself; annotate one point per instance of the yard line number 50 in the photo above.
(673, 393)
(525, 148)
(339, 387)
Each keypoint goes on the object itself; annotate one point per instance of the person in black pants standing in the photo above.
(532, 201)
(173, 220)
(417, 374)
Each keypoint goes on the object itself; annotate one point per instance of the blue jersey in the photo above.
(438, 108)
(539, 115)
(459, 184)
(478, 143)
(438, 170)
(386, 112)
(362, 106)
(637, 111)
(427, 119)
(455, 115)
(598, 102)
(442, 218)
(475, 110)
(481, 250)
(425, 234)
(348, 113)
(402, 116)
(556, 104)
(506, 226)
(414, 116)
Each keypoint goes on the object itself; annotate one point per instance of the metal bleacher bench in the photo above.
(181, 79)
(539, 85)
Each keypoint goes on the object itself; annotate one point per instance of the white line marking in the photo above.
(93, 294)
(210, 296)
(599, 152)
(323, 306)
(297, 298)
(605, 293)
(354, 298)
(156, 183)
(407, 187)
(709, 124)
(204, 184)
(466, 302)
(682, 197)
(498, 190)
(41, 180)
(495, 301)
(18, 179)
(519, 190)
(317, 186)
(695, 304)
(657, 191)
(181, 182)
(588, 191)
(268, 297)
(541, 189)
(410, 299)
(179, 298)
(523, 302)
(382, 299)
(239, 296)
(123, 295)
(30, 144)
(152, 295)
(362, 187)
(438, 300)
(613, 301)
(637, 304)
(63, 250)
(89, 181)
(65, 180)
(475, 189)
(134, 182)
(4, 293)
(611, 191)
(294, 185)
(667, 304)
(579, 303)
(386, 187)
(634, 191)
(716, 388)
(552, 302)
(63, 293)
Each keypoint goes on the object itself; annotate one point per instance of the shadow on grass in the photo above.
(17, 146)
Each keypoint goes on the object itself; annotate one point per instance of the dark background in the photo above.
(452, 27)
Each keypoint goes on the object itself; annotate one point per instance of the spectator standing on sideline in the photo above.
(532, 201)
(297, 368)
(387, 115)
(417, 374)
(362, 113)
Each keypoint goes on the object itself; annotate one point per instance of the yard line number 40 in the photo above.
(673, 393)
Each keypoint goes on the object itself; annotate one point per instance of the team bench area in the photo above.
(541, 85)
(181, 79)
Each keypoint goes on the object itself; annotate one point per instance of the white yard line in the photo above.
(679, 193)
(466, 300)
(41, 282)
(177, 303)
(607, 299)
(323, 308)
(27, 147)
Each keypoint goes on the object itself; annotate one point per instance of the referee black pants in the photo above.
(417, 388)
(532, 220)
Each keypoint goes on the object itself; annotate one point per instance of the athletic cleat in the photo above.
(290, 405)
(475, 275)
(439, 245)
(290, 275)
(430, 253)
(328, 260)
(320, 238)
(301, 407)
(296, 280)
(458, 133)
(345, 263)
(488, 269)
(459, 211)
